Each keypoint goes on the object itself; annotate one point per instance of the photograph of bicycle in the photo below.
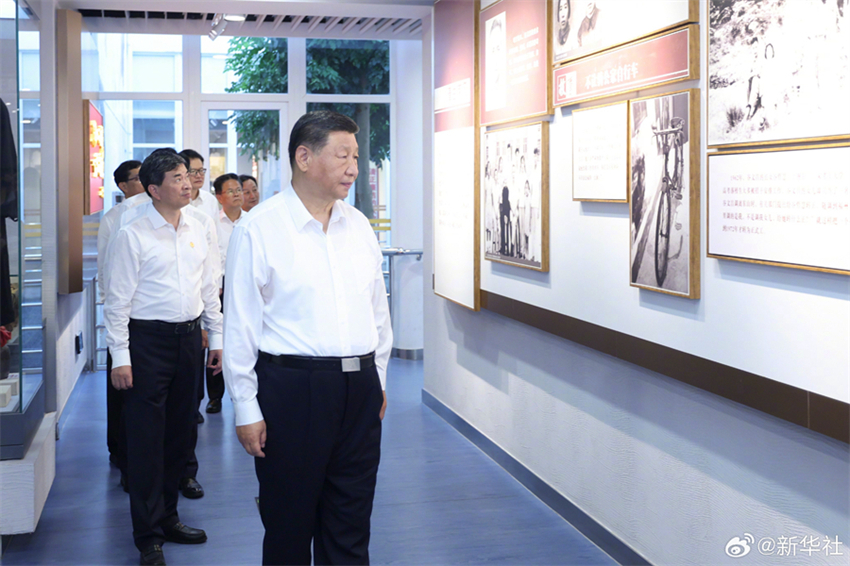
(664, 230)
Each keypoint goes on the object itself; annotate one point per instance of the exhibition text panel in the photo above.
(789, 207)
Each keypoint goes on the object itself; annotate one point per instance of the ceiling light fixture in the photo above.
(234, 17)
(218, 24)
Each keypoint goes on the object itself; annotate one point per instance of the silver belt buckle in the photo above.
(350, 364)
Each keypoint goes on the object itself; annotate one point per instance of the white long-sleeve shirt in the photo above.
(104, 236)
(207, 203)
(292, 289)
(128, 210)
(225, 230)
(160, 273)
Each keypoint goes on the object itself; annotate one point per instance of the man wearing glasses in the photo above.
(127, 178)
(228, 191)
(204, 201)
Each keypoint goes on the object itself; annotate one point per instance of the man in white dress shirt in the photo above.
(127, 179)
(125, 213)
(162, 283)
(205, 202)
(308, 338)
(228, 191)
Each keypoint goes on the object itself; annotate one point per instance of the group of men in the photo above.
(304, 346)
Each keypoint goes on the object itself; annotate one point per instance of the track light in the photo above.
(219, 23)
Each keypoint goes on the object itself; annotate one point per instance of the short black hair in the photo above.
(122, 173)
(157, 164)
(218, 184)
(313, 128)
(243, 178)
(189, 154)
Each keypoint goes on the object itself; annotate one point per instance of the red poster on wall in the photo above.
(514, 72)
(660, 60)
(94, 159)
(454, 64)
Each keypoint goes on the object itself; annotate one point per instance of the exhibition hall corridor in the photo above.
(440, 500)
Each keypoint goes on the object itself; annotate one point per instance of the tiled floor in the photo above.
(439, 501)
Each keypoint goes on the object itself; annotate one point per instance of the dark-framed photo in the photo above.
(582, 27)
(515, 181)
(779, 71)
(601, 153)
(664, 193)
(788, 207)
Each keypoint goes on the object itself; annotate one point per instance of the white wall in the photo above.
(406, 200)
(671, 470)
(74, 311)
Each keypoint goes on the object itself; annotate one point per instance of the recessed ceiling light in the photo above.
(234, 17)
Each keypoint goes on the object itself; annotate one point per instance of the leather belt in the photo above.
(166, 327)
(345, 365)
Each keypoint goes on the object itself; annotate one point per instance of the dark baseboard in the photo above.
(809, 410)
(596, 533)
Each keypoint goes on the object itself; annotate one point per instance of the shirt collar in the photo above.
(223, 217)
(300, 215)
(158, 221)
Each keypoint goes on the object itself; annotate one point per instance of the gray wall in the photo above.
(669, 469)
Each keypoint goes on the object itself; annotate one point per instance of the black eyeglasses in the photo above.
(197, 171)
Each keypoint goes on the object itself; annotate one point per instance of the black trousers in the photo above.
(323, 446)
(159, 412)
(116, 440)
(191, 470)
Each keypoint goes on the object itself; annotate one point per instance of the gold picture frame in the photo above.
(513, 233)
(664, 214)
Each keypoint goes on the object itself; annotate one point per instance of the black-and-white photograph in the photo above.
(582, 27)
(778, 70)
(495, 45)
(515, 196)
(661, 193)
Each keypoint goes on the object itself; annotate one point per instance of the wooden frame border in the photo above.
(693, 64)
(549, 108)
(544, 195)
(760, 261)
(693, 193)
(740, 144)
(628, 147)
(476, 210)
(693, 18)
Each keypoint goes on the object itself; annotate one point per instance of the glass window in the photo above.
(246, 142)
(336, 66)
(30, 63)
(127, 62)
(372, 189)
(132, 129)
(244, 64)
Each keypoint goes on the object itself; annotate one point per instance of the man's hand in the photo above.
(205, 339)
(214, 361)
(253, 438)
(384, 406)
(122, 377)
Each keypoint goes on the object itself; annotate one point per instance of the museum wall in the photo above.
(671, 470)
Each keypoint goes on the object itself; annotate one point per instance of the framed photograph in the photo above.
(514, 61)
(664, 59)
(582, 27)
(601, 153)
(779, 71)
(788, 207)
(664, 193)
(515, 179)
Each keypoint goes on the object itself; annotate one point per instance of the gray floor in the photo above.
(440, 500)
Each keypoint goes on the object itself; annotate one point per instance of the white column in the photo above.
(406, 203)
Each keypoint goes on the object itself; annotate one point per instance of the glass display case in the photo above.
(21, 322)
